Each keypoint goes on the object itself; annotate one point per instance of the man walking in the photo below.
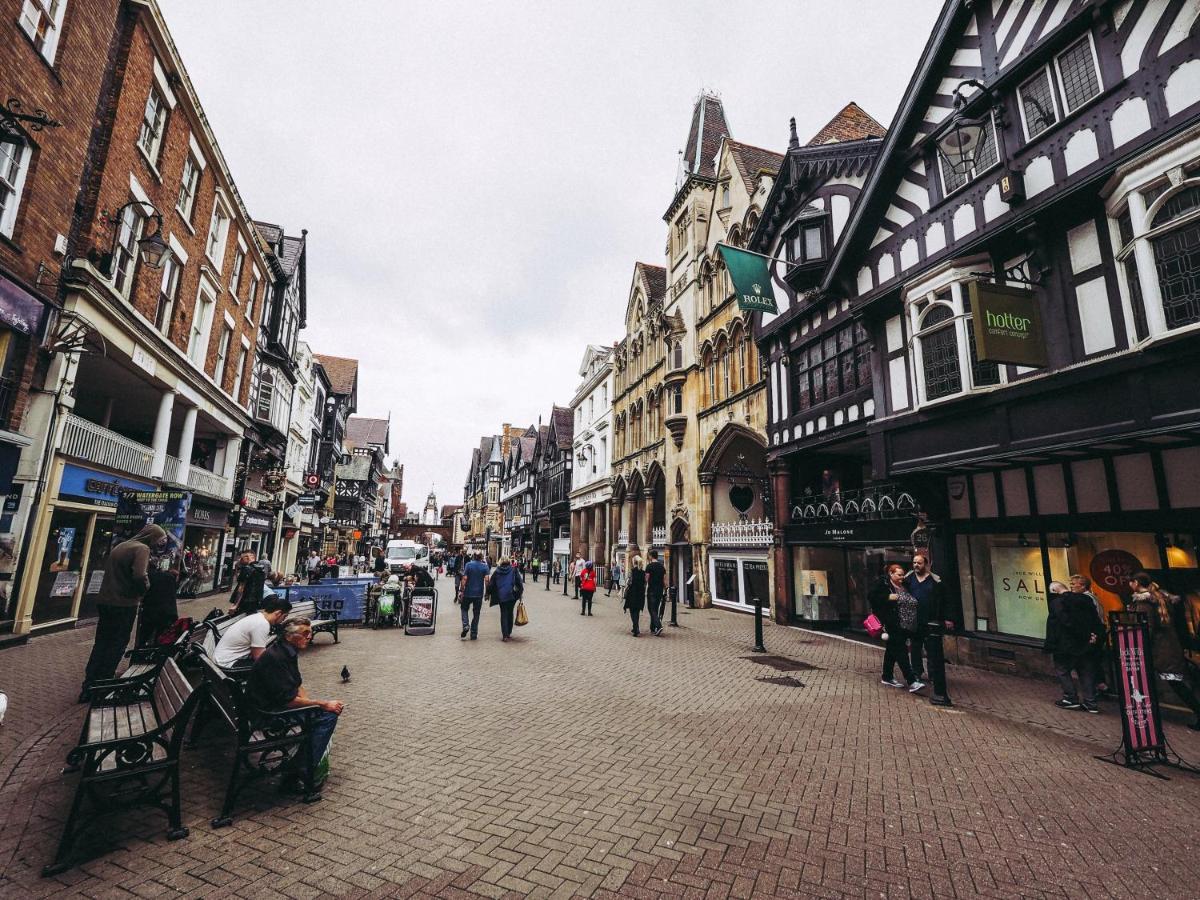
(932, 623)
(474, 583)
(656, 583)
(576, 573)
(536, 566)
(126, 580)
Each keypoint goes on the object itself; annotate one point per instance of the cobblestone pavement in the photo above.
(578, 761)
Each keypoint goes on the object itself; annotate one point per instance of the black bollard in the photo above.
(547, 579)
(935, 659)
(758, 635)
(674, 608)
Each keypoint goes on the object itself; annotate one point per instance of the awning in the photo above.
(19, 309)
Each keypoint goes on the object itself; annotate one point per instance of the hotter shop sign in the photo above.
(1007, 324)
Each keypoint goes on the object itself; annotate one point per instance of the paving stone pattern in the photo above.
(578, 761)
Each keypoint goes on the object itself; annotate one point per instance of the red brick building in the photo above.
(157, 395)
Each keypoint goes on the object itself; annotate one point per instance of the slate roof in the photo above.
(704, 136)
(362, 431)
(270, 233)
(656, 281)
(342, 372)
(752, 161)
(528, 445)
(564, 426)
(291, 254)
(852, 123)
(450, 510)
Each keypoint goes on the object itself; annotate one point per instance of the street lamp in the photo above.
(152, 249)
(960, 144)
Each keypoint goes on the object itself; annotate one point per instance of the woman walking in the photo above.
(635, 594)
(587, 587)
(506, 587)
(896, 608)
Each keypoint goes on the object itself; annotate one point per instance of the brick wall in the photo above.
(67, 89)
(160, 179)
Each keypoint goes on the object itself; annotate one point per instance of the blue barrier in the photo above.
(348, 598)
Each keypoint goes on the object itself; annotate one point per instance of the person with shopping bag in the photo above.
(505, 589)
(896, 610)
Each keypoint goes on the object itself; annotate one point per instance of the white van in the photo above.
(402, 554)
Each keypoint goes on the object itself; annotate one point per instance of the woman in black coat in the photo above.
(635, 594)
(886, 597)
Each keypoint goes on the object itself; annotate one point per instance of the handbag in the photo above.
(522, 617)
(873, 625)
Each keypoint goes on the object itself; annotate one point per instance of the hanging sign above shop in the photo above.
(1007, 323)
(751, 279)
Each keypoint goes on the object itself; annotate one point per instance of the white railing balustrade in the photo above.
(658, 536)
(95, 443)
(750, 533)
(171, 470)
(210, 483)
(623, 538)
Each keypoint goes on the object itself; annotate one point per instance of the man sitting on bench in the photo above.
(246, 639)
(275, 684)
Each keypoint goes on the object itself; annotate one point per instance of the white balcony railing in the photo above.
(95, 443)
(171, 471)
(751, 533)
(209, 483)
(658, 536)
(623, 538)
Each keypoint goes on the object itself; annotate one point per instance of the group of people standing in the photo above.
(911, 606)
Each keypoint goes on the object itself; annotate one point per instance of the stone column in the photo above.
(599, 549)
(781, 489)
(574, 531)
(187, 439)
(162, 434)
(648, 516)
(631, 525)
(585, 534)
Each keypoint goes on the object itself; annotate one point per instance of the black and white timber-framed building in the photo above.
(1085, 188)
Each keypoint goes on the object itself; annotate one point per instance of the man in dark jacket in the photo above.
(249, 583)
(933, 621)
(1072, 630)
(506, 587)
(126, 580)
(656, 591)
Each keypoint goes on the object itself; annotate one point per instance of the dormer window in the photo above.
(806, 243)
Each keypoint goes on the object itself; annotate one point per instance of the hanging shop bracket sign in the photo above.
(751, 277)
(1007, 324)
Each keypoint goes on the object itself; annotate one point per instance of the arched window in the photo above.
(710, 367)
(677, 355)
(1177, 256)
(939, 352)
(677, 401)
(726, 375)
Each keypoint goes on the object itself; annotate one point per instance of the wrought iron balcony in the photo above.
(880, 501)
(750, 533)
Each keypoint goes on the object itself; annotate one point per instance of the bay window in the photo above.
(835, 364)
(1158, 233)
(806, 242)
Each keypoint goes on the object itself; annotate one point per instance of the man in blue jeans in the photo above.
(275, 684)
(473, 586)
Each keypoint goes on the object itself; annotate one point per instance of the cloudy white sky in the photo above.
(478, 179)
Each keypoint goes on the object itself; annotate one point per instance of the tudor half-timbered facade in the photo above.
(1080, 192)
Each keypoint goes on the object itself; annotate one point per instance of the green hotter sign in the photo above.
(1007, 324)
(751, 279)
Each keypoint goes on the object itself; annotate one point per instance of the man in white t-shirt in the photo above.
(246, 639)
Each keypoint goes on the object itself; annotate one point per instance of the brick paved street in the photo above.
(577, 761)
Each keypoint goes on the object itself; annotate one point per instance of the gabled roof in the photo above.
(362, 431)
(753, 161)
(494, 452)
(450, 510)
(342, 372)
(564, 426)
(852, 123)
(704, 136)
(656, 281)
(270, 233)
(591, 354)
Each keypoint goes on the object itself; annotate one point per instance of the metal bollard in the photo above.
(758, 626)
(674, 608)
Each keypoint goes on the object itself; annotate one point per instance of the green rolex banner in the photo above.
(751, 279)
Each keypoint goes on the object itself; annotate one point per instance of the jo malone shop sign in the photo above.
(1007, 323)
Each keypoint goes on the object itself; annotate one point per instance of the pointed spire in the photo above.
(793, 139)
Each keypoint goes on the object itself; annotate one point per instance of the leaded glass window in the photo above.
(1177, 259)
(1037, 104)
(1077, 74)
(939, 353)
(983, 374)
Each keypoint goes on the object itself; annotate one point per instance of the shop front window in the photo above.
(739, 581)
(97, 558)
(61, 567)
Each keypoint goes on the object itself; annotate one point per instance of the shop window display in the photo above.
(62, 564)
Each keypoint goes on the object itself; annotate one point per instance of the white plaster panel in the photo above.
(868, 407)
(964, 221)
(1135, 481)
(1183, 87)
(852, 414)
(1095, 318)
(880, 236)
(894, 332)
(914, 193)
(935, 239)
(993, 206)
(864, 280)
(1129, 120)
(967, 56)
(898, 378)
(1182, 26)
(1084, 246)
(1081, 150)
(887, 268)
(1039, 175)
(898, 216)
(839, 417)
(841, 213)
(909, 256)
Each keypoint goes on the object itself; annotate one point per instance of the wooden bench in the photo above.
(266, 740)
(129, 754)
(322, 619)
(138, 680)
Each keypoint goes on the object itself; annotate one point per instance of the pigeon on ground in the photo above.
(345, 674)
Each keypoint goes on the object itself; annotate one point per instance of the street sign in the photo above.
(307, 499)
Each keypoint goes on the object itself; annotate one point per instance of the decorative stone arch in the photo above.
(750, 220)
(619, 488)
(655, 476)
(726, 437)
(635, 484)
(680, 531)
(734, 236)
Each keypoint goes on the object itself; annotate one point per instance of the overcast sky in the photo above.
(478, 179)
